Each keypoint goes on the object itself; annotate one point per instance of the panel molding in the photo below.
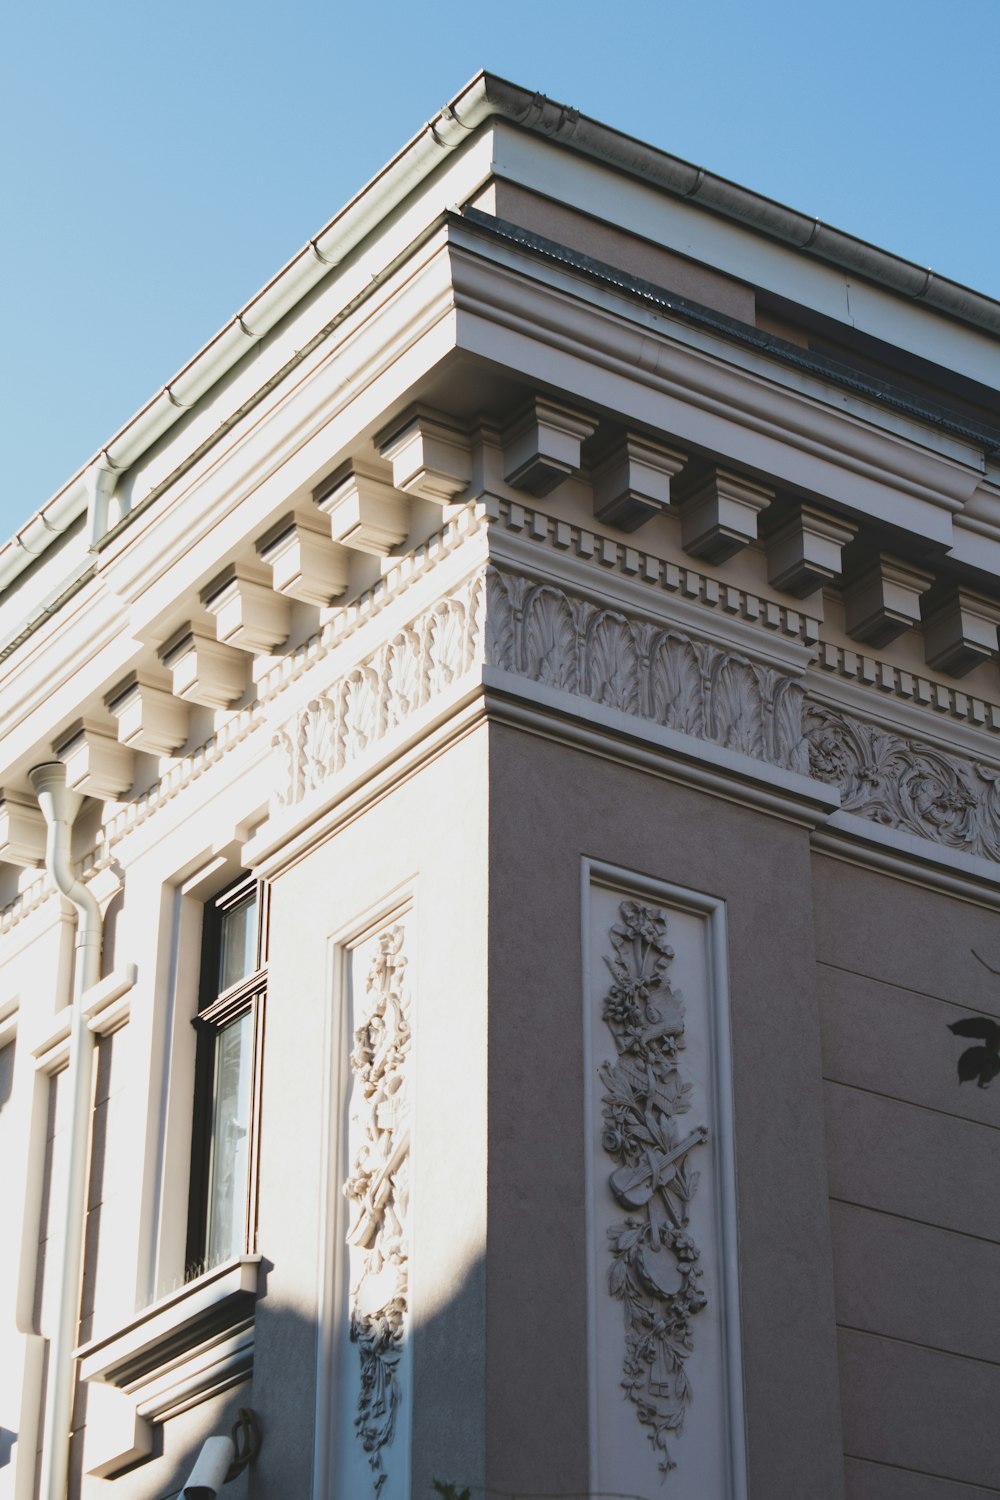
(728, 1434)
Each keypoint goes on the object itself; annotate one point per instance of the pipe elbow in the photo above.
(59, 807)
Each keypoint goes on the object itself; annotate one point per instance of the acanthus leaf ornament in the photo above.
(378, 1190)
(654, 1270)
(906, 784)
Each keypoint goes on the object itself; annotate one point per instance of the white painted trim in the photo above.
(9, 1011)
(870, 845)
(713, 909)
(396, 905)
(158, 1326)
(216, 1369)
(702, 763)
(105, 1004)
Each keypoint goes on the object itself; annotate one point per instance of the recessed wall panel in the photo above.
(370, 1187)
(666, 1402)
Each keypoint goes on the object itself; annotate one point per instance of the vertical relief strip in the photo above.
(372, 1388)
(665, 1362)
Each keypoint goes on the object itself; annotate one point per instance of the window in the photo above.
(230, 1025)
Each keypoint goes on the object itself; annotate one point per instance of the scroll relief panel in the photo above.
(648, 670)
(665, 1379)
(905, 783)
(384, 690)
(373, 1384)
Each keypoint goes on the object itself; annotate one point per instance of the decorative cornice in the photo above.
(665, 644)
(651, 671)
(724, 399)
(633, 566)
(910, 687)
(906, 784)
(708, 597)
(379, 693)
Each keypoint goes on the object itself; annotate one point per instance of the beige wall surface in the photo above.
(426, 841)
(550, 807)
(913, 1184)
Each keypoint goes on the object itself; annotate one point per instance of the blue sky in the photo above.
(161, 162)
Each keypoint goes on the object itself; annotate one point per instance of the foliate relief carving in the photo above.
(906, 784)
(645, 669)
(654, 1260)
(379, 694)
(378, 1191)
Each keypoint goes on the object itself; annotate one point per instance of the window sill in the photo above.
(185, 1325)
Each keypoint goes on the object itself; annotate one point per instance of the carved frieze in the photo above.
(653, 671)
(906, 784)
(379, 694)
(654, 1270)
(378, 1191)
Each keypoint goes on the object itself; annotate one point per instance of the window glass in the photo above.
(238, 942)
(230, 1141)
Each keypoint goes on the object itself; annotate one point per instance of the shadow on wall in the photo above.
(448, 1358)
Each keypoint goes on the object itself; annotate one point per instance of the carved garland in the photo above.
(906, 784)
(654, 1260)
(378, 1189)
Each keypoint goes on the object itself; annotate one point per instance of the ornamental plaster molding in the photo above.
(607, 555)
(906, 784)
(405, 575)
(378, 1191)
(380, 693)
(712, 598)
(654, 1269)
(923, 692)
(651, 671)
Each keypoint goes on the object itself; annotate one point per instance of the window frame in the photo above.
(217, 1009)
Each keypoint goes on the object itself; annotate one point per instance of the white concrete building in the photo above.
(501, 799)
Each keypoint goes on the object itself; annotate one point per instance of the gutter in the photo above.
(90, 486)
(682, 179)
(484, 97)
(59, 807)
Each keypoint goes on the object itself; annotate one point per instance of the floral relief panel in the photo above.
(665, 1380)
(374, 1366)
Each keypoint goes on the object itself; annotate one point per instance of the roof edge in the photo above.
(486, 95)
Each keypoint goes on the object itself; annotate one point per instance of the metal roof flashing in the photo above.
(486, 96)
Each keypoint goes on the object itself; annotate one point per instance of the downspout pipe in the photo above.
(59, 807)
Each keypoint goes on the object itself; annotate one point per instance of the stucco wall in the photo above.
(913, 1184)
(426, 841)
(550, 806)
